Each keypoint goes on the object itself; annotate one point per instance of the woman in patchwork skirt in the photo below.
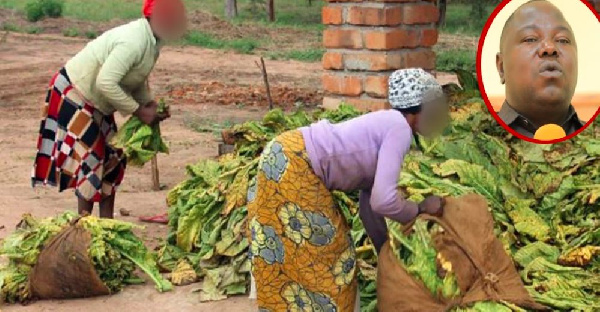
(303, 258)
(110, 74)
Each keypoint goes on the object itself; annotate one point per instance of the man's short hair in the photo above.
(511, 17)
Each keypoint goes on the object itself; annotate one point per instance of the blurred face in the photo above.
(538, 61)
(168, 20)
(434, 115)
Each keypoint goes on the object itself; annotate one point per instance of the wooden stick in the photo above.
(263, 68)
(155, 177)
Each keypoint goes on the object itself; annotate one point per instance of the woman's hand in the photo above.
(147, 113)
(164, 115)
(432, 205)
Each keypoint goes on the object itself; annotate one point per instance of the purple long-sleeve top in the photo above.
(366, 154)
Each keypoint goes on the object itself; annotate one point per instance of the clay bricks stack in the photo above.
(367, 40)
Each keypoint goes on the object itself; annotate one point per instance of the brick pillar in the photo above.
(367, 40)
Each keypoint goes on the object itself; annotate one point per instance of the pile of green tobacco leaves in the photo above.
(141, 142)
(545, 200)
(114, 250)
(207, 214)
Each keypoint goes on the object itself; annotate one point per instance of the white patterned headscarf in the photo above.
(407, 87)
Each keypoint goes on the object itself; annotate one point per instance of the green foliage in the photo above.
(244, 46)
(460, 18)
(91, 34)
(309, 55)
(34, 30)
(139, 141)
(53, 8)
(9, 27)
(201, 39)
(34, 10)
(114, 250)
(207, 214)
(449, 60)
(541, 222)
(71, 32)
(542, 199)
(38, 9)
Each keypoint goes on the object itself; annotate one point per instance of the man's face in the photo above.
(538, 60)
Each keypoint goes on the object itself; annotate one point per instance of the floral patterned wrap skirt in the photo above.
(302, 255)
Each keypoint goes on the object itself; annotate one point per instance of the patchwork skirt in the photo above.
(73, 149)
(302, 255)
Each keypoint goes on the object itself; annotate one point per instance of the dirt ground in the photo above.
(204, 87)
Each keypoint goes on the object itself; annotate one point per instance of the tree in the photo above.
(271, 10)
(231, 9)
(442, 7)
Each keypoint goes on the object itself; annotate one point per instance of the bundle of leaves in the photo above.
(114, 251)
(139, 141)
(207, 215)
(545, 199)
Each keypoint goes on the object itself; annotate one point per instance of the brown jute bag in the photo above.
(484, 271)
(64, 269)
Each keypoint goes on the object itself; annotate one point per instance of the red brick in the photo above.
(332, 15)
(342, 84)
(358, 15)
(373, 61)
(342, 39)
(429, 37)
(420, 14)
(424, 59)
(377, 86)
(389, 40)
(368, 104)
(333, 60)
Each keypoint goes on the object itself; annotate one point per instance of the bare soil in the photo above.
(28, 62)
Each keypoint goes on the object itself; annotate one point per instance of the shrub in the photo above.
(9, 27)
(245, 46)
(71, 32)
(53, 8)
(34, 11)
(38, 9)
(90, 34)
(34, 30)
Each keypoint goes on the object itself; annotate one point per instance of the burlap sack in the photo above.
(64, 269)
(484, 271)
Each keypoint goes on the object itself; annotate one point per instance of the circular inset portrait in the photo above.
(538, 67)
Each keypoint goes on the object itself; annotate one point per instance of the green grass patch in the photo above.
(459, 20)
(91, 34)
(288, 12)
(450, 60)
(309, 55)
(197, 38)
(34, 30)
(10, 27)
(71, 32)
